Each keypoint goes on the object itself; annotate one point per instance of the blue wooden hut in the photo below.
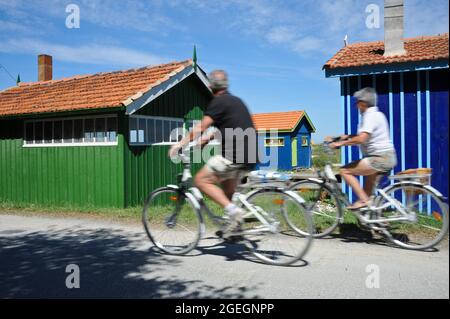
(412, 89)
(287, 136)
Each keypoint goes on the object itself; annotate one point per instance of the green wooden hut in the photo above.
(97, 140)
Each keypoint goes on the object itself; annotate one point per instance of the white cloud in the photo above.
(146, 16)
(89, 53)
(281, 34)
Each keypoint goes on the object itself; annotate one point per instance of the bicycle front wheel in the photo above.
(172, 221)
(274, 239)
(323, 204)
(428, 216)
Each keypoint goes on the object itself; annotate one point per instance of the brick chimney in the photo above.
(45, 66)
(393, 28)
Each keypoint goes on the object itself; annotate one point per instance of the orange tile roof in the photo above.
(102, 90)
(371, 53)
(283, 121)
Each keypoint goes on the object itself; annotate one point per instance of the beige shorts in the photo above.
(382, 162)
(224, 168)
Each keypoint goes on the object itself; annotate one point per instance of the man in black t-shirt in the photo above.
(238, 137)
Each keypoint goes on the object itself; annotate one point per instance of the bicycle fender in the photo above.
(296, 196)
(428, 187)
(317, 180)
(173, 186)
(434, 191)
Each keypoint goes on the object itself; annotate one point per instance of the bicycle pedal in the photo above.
(219, 233)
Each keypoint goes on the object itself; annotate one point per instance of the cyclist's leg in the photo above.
(207, 182)
(229, 187)
(357, 168)
(369, 183)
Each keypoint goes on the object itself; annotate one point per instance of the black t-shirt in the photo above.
(238, 134)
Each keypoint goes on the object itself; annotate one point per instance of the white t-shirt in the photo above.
(375, 123)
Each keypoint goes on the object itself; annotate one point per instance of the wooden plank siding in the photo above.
(416, 105)
(148, 167)
(58, 176)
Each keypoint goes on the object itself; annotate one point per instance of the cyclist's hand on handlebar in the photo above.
(335, 145)
(175, 150)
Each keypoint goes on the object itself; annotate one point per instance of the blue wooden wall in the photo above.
(416, 106)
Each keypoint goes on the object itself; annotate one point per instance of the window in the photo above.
(305, 141)
(38, 132)
(48, 132)
(57, 132)
(274, 142)
(77, 131)
(68, 131)
(111, 129)
(146, 130)
(29, 133)
(100, 130)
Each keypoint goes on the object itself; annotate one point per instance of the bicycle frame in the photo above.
(389, 201)
(196, 196)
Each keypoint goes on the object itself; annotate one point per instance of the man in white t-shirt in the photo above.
(376, 147)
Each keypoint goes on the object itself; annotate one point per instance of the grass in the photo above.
(130, 214)
(127, 214)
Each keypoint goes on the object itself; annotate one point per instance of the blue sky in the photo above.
(273, 50)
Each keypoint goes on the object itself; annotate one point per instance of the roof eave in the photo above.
(144, 99)
(106, 109)
(386, 68)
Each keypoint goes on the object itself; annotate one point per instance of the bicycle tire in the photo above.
(416, 231)
(260, 245)
(176, 207)
(331, 214)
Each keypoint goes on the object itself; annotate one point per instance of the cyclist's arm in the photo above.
(206, 139)
(197, 131)
(355, 140)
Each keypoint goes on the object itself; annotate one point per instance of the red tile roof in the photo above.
(283, 121)
(371, 53)
(102, 90)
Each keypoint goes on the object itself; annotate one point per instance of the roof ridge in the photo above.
(183, 64)
(296, 111)
(370, 53)
(409, 39)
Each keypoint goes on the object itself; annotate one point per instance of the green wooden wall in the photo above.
(148, 167)
(59, 176)
(95, 176)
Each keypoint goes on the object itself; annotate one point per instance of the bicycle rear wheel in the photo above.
(278, 242)
(429, 216)
(323, 204)
(171, 221)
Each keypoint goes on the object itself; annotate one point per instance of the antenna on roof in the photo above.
(345, 40)
(6, 70)
(18, 79)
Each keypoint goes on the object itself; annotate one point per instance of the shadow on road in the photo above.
(352, 233)
(33, 265)
(235, 251)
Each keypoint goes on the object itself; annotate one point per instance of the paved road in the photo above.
(117, 261)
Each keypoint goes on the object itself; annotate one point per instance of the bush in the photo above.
(320, 157)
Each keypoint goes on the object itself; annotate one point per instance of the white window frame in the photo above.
(146, 117)
(73, 144)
